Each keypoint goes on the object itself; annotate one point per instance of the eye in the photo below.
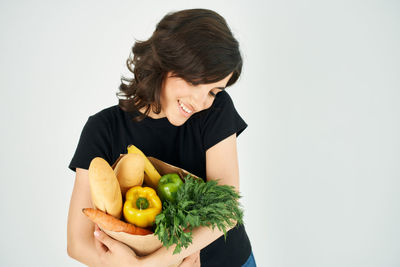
(212, 94)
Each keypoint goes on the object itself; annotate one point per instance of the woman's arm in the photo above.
(222, 164)
(80, 239)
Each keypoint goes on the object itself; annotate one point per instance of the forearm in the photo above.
(80, 239)
(84, 251)
(201, 237)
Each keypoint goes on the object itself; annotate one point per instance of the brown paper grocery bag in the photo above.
(147, 244)
(141, 244)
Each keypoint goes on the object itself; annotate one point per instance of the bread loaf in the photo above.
(104, 187)
(129, 171)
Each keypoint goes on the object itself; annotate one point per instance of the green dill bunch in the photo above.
(197, 204)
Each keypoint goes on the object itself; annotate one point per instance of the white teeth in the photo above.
(185, 108)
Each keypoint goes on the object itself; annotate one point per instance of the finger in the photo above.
(191, 259)
(186, 262)
(104, 239)
(196, 262)
(98, 245)
(195, 256)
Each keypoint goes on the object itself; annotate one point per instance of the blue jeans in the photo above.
(250, 261)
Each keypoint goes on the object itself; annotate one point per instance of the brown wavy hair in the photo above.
(194, 44)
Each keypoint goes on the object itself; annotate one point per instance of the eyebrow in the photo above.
(222, 88)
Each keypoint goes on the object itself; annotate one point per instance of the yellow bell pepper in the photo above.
(141, 206)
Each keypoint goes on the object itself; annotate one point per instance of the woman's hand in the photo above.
(191, 261)
(112, 252)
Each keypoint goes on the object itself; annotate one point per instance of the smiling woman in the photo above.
(180, 99)
(195, 45)
(175, 109)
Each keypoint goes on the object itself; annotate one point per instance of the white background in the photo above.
(320, 90)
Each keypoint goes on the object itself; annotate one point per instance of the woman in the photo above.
(175, 109)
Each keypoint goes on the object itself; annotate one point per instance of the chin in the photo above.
(176, 122)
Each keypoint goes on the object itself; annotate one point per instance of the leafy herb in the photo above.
(197, 204)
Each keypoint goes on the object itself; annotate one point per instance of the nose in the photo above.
(200, 98)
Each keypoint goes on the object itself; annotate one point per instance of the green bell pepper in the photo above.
(168, 186)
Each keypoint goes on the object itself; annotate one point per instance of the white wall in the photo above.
(319, 161)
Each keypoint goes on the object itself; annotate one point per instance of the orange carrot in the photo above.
(110, 223)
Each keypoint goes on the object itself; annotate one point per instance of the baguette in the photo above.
(110, 223)
(104, 187)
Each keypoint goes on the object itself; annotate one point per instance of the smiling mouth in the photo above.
(184, 108)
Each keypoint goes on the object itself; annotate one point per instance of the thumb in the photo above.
(105, 239)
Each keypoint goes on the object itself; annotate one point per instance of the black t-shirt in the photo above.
(108, 133)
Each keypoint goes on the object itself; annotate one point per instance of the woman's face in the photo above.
(180, 99)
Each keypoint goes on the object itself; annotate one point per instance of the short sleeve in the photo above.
(222, 120)
(95, 141)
